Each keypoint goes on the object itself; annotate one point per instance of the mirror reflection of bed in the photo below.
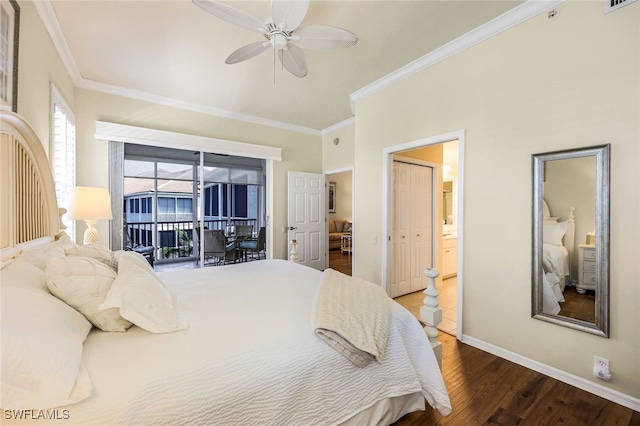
(560, 294)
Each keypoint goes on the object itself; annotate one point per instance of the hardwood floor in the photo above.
(339, 261)
(580, 306)
(487, 390)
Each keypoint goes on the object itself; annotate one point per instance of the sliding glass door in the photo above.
(161, 198)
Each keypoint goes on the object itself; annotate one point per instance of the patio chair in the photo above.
(216, 246)
(148, 252)
(243, 232)
(255, 246)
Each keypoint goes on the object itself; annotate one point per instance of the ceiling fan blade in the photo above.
(232, 15)
(293, 60)
(247, 52)
(323, 37)
(288, 14)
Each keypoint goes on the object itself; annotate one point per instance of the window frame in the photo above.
(57, 101)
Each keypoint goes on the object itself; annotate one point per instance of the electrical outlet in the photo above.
(602, 363)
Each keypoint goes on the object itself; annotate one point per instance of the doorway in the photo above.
(340, 220)
(447, 152)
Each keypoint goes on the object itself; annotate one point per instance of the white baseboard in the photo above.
(579, 382)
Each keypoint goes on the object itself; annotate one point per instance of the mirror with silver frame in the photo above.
(570, 268)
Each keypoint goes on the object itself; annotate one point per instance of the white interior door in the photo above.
(307, 217)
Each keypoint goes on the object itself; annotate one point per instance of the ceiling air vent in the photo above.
(611, 5)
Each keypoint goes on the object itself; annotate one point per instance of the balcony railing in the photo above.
(175, 239)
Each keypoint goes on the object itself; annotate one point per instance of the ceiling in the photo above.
(173, 50)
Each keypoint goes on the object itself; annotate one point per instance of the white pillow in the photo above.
(19, 273)
(552, 233)
(94, 251)
(39, 255)
(83, 283)
(141, 296)
(41, 351)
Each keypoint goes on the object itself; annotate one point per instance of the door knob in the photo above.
(291, 228)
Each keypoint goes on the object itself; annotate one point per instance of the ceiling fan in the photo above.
(281, 32)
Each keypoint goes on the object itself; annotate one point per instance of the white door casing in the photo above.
(307, 213)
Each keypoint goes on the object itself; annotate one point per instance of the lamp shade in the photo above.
(89, 203)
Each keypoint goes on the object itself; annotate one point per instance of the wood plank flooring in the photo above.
(487, 390)
(339, 261)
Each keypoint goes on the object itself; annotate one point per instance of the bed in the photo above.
(557, 252)
(236, 344)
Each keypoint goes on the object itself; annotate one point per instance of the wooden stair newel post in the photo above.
(431, 314)
(293, 256)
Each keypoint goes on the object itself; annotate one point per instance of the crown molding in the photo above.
(484, 32)
(50, 21)
(111, 89)
(338, 126)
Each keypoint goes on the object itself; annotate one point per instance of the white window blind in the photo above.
(63, 153)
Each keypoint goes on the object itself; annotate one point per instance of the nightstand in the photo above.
(586, 268)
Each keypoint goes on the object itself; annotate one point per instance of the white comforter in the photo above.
(249, 357)
(556, 264)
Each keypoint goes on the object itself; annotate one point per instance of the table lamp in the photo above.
(90, 204)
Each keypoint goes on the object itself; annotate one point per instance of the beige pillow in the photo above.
(339, 225)
(83, 283)
(332, 227)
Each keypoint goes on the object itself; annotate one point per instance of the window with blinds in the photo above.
(63, 153)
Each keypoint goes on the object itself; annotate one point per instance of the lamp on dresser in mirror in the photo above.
(570, 234)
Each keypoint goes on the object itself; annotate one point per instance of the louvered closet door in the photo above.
(412, 227)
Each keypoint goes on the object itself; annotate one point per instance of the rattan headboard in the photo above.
(28, 206)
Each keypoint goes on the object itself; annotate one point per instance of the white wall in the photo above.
(540, 86)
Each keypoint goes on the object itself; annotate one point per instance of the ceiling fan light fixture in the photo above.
(285, 36)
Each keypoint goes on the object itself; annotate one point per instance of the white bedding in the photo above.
(555, 259)
(249, 357)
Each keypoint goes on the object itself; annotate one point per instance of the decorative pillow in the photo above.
(332, 227)
(39, 255)
(94, 251)
(83, 283)
(339, 225)
(347, 227)
(552, 233)
(41, 351)
(19, 273)
(142, 297)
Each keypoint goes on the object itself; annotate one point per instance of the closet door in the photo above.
(421, 225)
(412, 227)
(400, 283)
